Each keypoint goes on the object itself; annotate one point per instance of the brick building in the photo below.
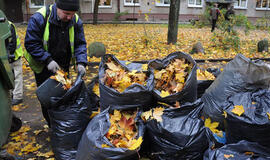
(157, 10)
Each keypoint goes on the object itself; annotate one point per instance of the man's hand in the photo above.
(81, 69)
(53, 66)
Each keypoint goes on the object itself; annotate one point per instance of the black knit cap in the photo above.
(68, 5)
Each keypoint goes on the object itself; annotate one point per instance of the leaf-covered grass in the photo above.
(144, 42)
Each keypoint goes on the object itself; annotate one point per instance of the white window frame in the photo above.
(266, 8)
(32, 5)
(195, 5)
(161, 4)
(131, 4)
(240, 2)
(110, 6)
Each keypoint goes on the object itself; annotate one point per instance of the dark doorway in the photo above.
(13, 10)
(220, 5)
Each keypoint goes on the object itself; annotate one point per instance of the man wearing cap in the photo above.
(54, 40)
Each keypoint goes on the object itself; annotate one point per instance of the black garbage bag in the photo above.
(90, 147)
(181, 135)
(253, 124)
(240, 75)
(94, 96)
(69, 117)
(134, 96)
(242, 150)
(189, 92)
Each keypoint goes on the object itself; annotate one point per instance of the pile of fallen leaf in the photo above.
(21, 144)
(204, 75)
(172, 78)
(118, 78)
(154, 113)
(61, 77)
(123, 130)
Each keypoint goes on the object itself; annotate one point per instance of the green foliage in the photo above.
(226, 36)
(117, 15)
(263, 23)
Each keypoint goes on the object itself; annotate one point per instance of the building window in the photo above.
(132, 3)
(240, 4)
(105, 3)
(36, 3)
(262, 4)
(163, 3)
(195, 3)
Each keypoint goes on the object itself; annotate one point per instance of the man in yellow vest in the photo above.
(55, 38)
(16, 52)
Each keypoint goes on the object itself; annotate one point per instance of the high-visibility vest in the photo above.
(19, 50)
(37, 66)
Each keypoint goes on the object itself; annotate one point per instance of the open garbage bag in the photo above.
(180, 136)
(90, 147)
(239, 76)
(136, 95)
(69, 117)
(189, 92)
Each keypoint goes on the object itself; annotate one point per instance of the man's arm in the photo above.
(34, 39)
(80, 44)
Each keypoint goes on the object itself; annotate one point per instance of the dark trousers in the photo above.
(214, 21)
(40, 78)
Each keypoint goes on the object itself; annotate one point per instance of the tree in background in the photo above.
(95, 15)
(173, 21)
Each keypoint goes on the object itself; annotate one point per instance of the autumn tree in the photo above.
(95, 15)
(173, 21)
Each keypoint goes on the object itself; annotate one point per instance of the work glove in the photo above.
(81, 69)
(53, 66)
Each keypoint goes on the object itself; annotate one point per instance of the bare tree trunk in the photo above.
(173, 21)
(95, 15)
(118, 6)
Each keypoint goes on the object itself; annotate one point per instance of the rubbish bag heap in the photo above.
(69, 117)
(239, 76)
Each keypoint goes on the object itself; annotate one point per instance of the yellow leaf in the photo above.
(116, 116)
(136, 143)
(47, 154)
(113, 67)
(249, 153)
(157, 114)
(238, 110)
(37, 132)
(127, 62)
(180, 77)
(225, 114)
(164, 94)
(133, 73)
(146, 115)
(228, 156)
(268, 115)
(96, 89)
(158, 74)
(94, 113)
(213, 127)
(105, 146)
(144, 67)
